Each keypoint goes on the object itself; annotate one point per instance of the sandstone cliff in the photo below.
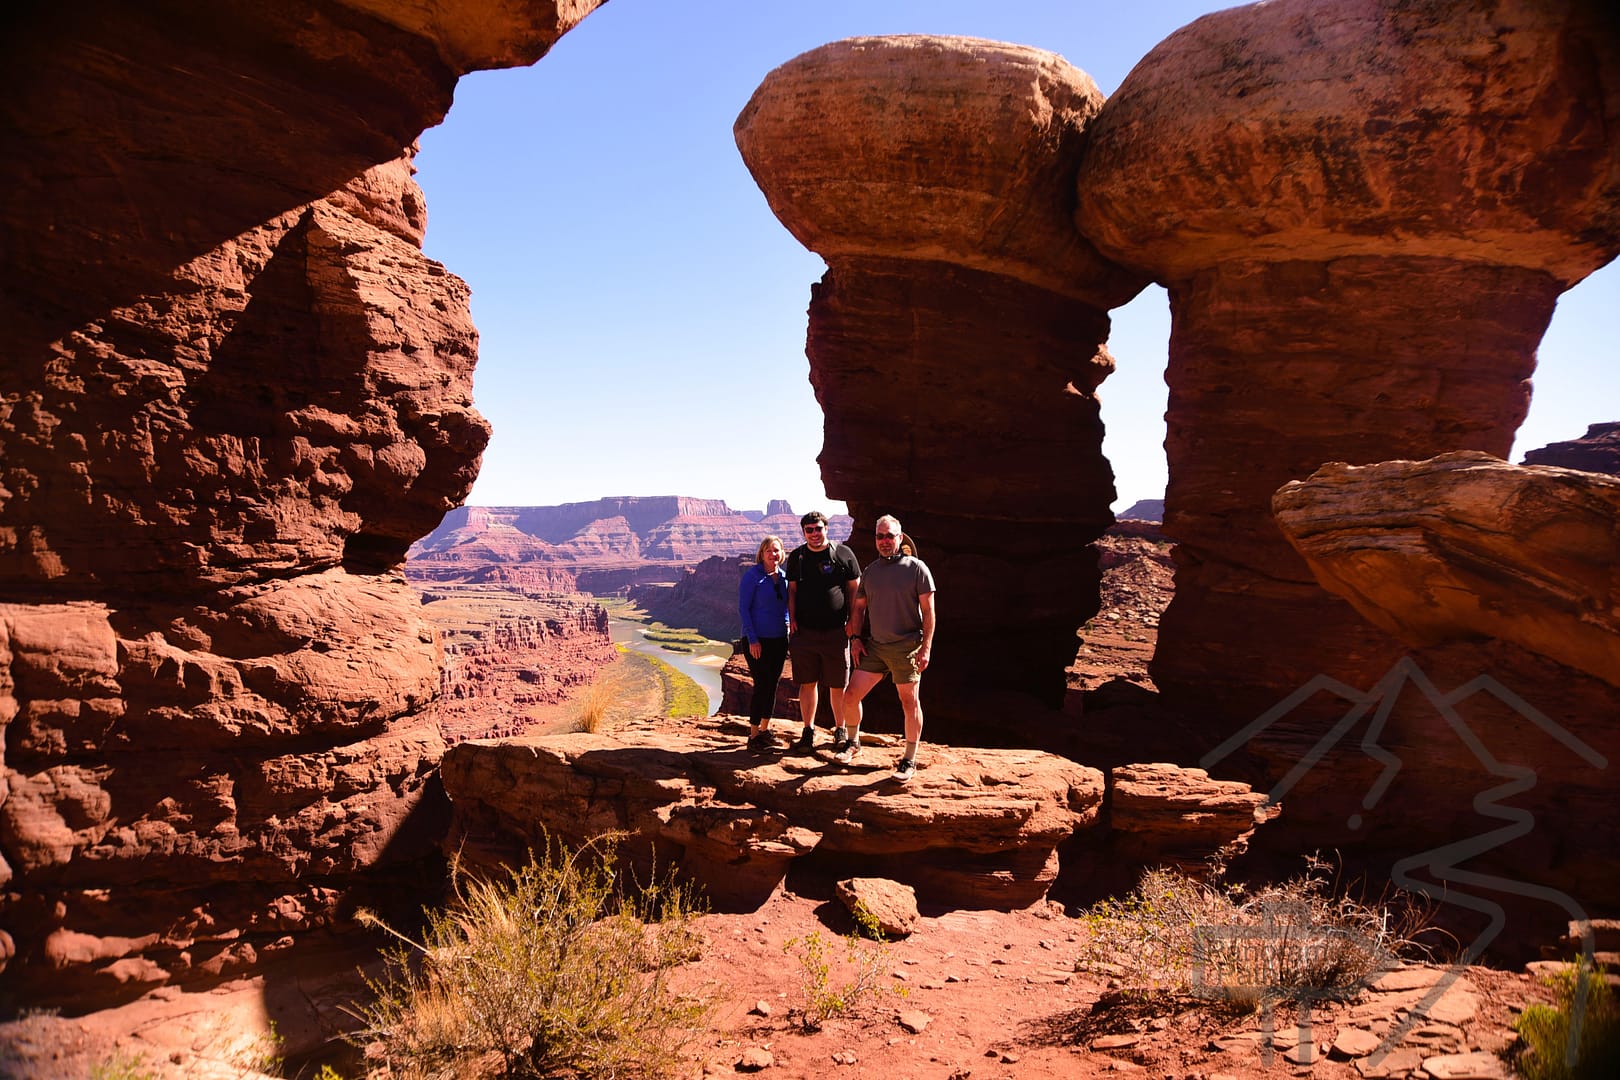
(1596, 451)
(234, 393)
(601, 546)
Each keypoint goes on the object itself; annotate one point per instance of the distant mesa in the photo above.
(1596, 451)
(600, 546)
(1143, 510)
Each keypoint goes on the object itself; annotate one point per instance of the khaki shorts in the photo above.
(897, 659)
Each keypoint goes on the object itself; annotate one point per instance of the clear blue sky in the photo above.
(642, 312)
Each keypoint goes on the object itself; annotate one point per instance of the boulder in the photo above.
(975, 828)
(1163, 814)
(890, 905)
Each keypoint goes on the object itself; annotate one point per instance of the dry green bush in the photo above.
(1578, 1038)
(1175, 935)
(830, 986)
(555, 968)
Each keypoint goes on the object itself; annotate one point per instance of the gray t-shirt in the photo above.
(892, 587)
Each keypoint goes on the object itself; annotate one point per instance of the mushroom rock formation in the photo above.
(1465, 545)
(1364, 213)
(956, 340)
(234, 392)
(1596, 451)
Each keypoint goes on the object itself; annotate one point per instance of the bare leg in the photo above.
(835, 698)
(808, 702)
(860, 684)
(912, 707)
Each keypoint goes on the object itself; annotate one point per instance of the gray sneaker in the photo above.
(806, 743)
(847, 754)
(905, 770)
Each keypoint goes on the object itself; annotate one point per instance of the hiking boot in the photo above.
(806, 743)
(905, 770)
(847, 754)
(840, 739)
(763, 743)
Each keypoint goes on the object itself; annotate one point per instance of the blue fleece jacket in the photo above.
(761, 607)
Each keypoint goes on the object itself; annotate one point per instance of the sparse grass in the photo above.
(122, 1066)
(593, 707)
(682, 695)
(1548, 1053)
(857, 980)
(1177, 936)
(554, 969)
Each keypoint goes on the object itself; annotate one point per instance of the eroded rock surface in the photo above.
(234, 392)
(1465, 545)
(975, 828)
(1363, 225)
(955, 342)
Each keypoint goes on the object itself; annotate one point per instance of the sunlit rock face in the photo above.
(1364, 213)
(956, 341)
(234, 392)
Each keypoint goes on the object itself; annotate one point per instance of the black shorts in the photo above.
(820, 656)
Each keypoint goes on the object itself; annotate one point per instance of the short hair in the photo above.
(759, 555)
(814, 517)
(894, 524)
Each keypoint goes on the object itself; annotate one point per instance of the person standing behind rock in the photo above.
(762, 606)
(896, 608)
(822, 581)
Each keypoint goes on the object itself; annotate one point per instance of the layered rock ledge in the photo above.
(975, 828)
(1465, 545)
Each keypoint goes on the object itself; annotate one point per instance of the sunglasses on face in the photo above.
(815, 528)
(887, 536)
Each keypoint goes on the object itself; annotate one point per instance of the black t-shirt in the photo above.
(819, 602)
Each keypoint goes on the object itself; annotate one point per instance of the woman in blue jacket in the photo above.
(762, 606)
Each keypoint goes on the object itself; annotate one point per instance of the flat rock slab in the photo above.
(1475, 1066)
(974, 828)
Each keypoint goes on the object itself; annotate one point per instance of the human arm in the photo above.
(926, 603)
(856, 620)
(793, 599)
(745, 612)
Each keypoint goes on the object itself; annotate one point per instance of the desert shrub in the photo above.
(831, 986)
(1179, 936)
(122, 1066)
(553, 968)
(593, 707)
(1547, 1052)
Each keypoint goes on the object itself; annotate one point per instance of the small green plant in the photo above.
(1175, 935)
(1549, 1053)
(328, 1073)
(556, 968)
(832, 988)
(122, 1066)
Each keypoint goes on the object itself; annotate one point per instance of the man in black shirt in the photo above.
(822, 580)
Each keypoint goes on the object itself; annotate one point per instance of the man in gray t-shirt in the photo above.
(894, 613)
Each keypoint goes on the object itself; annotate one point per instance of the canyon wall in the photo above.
(234, 393)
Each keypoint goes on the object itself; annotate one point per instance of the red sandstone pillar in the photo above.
(956, 341)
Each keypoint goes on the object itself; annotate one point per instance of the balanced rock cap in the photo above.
(952, 149)
(1302, 130)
